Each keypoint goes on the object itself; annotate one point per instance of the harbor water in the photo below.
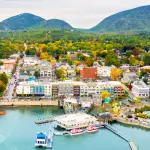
(18, 132)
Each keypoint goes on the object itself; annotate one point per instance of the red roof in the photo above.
(88, 73)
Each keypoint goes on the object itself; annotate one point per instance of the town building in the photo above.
(129, 77)
(104, 71)
(31, 61)
(69, 88)
(46, 72)
(76, 120)
(30, 88)
(88, 73)
(139, 88)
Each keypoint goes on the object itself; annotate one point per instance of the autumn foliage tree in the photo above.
(115, 73)
(105, 94)
(89, 61)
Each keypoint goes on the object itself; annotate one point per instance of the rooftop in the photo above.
(140, 84)
(89, 73)
(75, 120)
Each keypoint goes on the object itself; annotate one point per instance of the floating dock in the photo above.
(44, 121)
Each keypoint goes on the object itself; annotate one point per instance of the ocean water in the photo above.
(18, 132)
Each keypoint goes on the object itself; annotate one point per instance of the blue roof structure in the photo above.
(41, 136)
(31, 79)
(107, 100)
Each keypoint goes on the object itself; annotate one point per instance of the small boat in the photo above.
(41, 140)
(2, 113)
(91, 129)
(77, 131)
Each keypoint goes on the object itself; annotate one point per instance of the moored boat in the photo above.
(41, 140)
(77, 131)
(2, 113)
(91, 129)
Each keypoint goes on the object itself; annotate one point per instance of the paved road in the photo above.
(12, 83)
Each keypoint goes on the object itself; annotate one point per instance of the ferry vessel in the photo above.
(91, 129)
(41, 140)
(77, 131)
(44, 141)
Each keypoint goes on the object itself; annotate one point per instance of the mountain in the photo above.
(137, 19)
(20, 22)
(28, 21)
(55, 23)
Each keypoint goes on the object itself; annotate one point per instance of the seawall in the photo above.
(29, 103)
(139, 124)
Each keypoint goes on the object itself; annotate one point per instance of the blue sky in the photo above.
(79, 13)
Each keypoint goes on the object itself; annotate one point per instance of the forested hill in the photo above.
(20, 22)
(55, 23)
(137, 19)
(27, 21)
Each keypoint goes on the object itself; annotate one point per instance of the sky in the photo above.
(78, 13)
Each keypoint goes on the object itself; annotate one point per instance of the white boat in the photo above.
(91, 129)
(77, 131)
(41, 140)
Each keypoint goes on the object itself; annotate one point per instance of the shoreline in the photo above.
(30, 103)
(133, 124)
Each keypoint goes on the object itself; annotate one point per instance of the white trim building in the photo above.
(139, 88)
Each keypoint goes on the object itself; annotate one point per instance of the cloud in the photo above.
(79, 13)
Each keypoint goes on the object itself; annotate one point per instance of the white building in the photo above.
(29, 61)
(77, 120)
(104, 71)
(46, 72)
(139, 88)
(69, 88)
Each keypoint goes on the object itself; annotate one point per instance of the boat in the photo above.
(41, 140)
(2, 113)
(91, 129)
(77, 131)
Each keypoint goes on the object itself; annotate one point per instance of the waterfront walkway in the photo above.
(29, 103)
(130, 142)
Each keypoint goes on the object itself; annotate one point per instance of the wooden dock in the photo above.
(44, 121)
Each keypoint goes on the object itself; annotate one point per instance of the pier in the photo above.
(44, 121)
(130, 142)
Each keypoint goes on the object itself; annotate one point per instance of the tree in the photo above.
(111, 59)
(77, 79)
(89, 61)
(60, 73)
(146, 59)
(115, 73)
(37, 74)
(1, 63)
(133, 61)
(105, 94)
(2, 88)
(69, 61)
(141, 63)
(4, 78)
(31, 51)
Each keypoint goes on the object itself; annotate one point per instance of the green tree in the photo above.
(37, 74)
(2, 88)
(4, 78)
(111, 59)
(1, 63)
(146, 59)
(60, 73)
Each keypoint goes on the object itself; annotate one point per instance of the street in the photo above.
(12, 83)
